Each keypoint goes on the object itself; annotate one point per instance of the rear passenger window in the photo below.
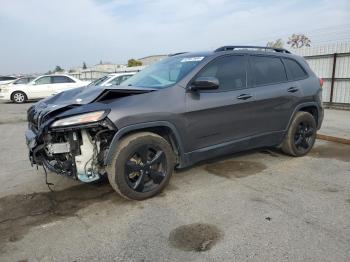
(296, 71)
(268, 70)
(229, 70)
(61, 79)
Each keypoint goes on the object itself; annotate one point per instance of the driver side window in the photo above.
(229, 70)
(43, 80)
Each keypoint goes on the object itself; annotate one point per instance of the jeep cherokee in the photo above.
(181, 110)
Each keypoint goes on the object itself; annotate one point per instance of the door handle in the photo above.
(292, 89)
(244, 96)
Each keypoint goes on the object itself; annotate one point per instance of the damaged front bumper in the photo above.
(75, 151)
(68, 134)
(31, 143)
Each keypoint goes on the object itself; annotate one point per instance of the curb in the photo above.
(333, 139)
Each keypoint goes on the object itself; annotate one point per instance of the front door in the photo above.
(40, 88)
(222, 115)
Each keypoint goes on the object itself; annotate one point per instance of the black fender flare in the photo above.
(306, 104)
(140, 126)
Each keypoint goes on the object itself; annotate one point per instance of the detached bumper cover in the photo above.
(30, 139)
(31, 143)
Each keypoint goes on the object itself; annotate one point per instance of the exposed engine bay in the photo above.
(78, 153)
(70, 133)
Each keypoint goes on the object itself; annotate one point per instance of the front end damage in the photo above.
(69, 140)
(77, 151)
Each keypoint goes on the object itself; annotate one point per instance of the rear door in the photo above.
(275, 95)
(222, 115)
(61, 83)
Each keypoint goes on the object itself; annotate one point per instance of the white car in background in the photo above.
(40, 87)
(20, 81)
(114, 79)
(7, 79)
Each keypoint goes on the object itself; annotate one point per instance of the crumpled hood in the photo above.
(77, 97)
(87, 94)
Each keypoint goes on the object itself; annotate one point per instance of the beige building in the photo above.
(100, 70)
(151, 59)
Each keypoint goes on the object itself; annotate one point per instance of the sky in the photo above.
(37, 35)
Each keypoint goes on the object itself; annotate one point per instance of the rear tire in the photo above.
(19, 97)
(301, 135)
(142, 166)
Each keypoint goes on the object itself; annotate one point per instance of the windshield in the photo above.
(99, 81)
(164, 73)
(23, 80)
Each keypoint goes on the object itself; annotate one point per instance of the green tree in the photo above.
(276, 44)
(58, 69)
(84, 65)
(298, 41)
(132, 62)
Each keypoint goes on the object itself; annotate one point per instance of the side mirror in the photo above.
(204, 83)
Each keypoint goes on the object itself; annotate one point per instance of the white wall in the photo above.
(320, 59)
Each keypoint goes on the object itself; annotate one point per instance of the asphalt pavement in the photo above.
(259, 205)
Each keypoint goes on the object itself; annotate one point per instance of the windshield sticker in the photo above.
(192, 59)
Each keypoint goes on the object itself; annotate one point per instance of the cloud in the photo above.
(37, 35)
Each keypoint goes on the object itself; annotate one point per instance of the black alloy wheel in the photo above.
(146, 168)
(142, 165)
(301, 135)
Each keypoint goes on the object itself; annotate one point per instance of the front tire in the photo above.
(301, 135)
(19, 97)
(142, 166)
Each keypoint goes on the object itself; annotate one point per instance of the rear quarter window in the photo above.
(294, 69)
(267, 70)
(61, 79)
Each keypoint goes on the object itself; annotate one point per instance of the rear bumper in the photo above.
(320, 117)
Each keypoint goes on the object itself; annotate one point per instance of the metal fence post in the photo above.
(333, 77)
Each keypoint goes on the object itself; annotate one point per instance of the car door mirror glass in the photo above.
(205, 83)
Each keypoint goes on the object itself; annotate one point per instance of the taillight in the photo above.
(321, 82)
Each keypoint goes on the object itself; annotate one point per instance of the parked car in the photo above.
(112, 79)
(181, 110)
(18, 81)
(6, 79)
(22, 80)
(40, 87)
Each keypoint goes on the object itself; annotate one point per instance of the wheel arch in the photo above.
(163, 128)
(19, 91)
(311, 107)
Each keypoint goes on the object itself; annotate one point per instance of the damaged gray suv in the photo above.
(181, 110)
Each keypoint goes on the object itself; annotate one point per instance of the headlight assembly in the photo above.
(80, 119)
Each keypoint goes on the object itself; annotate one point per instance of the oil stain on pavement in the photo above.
(195, 237)
(332, 151)
(232, 168)
(19, 213)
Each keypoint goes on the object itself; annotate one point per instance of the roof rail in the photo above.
(233, 47)
(180, 53)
